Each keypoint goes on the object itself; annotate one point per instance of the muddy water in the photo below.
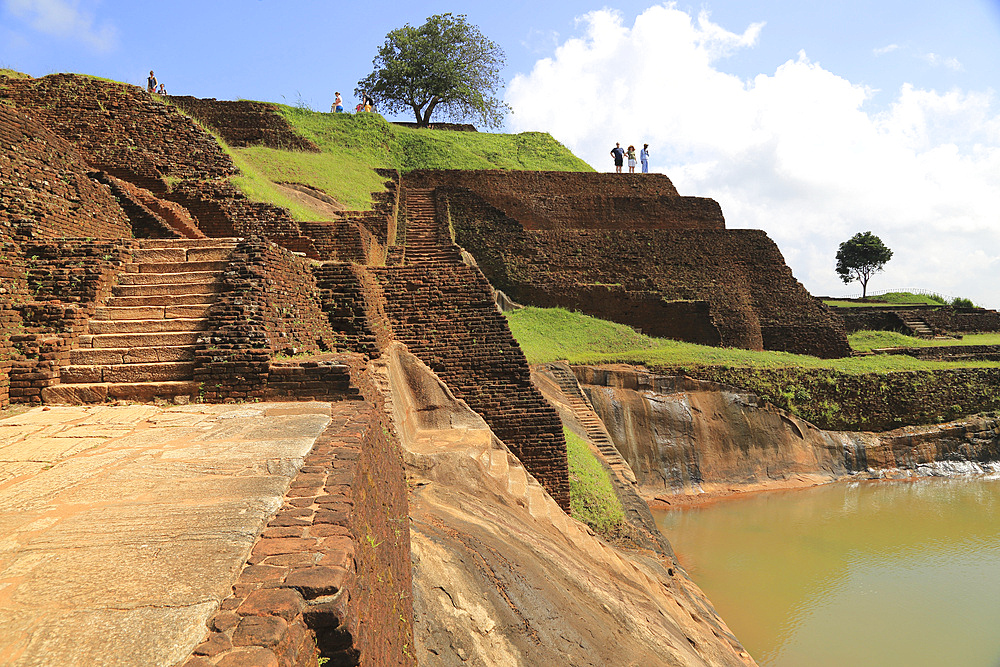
(873, 573)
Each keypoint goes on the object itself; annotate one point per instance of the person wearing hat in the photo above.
(338, 104)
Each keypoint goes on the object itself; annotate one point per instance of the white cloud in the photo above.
(935, 60)
(889, 48)
(793, 152)
(66, 19)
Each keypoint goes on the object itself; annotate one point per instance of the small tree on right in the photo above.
(860, 257)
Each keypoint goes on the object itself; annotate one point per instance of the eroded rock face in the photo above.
(685, 436)
(502, 576)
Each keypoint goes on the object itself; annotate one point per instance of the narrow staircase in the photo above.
(424, 242)
(919, 327)
(585, 414)
(141, 343)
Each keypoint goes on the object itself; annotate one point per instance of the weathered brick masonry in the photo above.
(702, 285)
(446, 316)
(355, 304)
(243, 123)
(331, 573)
(570, 200)
(943, 319)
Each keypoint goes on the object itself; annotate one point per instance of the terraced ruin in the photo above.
(134, 270)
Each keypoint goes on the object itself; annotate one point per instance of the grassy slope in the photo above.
(891, 298)
(353, 145)
(592, 496)
(548, 334)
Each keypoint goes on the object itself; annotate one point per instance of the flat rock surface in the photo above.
(122, 528)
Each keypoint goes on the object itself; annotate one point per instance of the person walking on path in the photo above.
(338, 104)
(644, 158)
(618, 153)
(151, 83)
(631, 159)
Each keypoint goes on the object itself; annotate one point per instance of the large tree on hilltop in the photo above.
(444, 65)
(860, 257)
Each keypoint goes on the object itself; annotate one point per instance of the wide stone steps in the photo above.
(141, 342)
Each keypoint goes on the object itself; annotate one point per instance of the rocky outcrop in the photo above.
(502, 576)
(686, 436)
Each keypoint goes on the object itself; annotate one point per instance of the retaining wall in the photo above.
(572, 200)
(447, 318)
(44, 188)
(943, 319)
(331, 575)
(243, 123)
(753, 300)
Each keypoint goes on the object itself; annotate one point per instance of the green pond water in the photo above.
(862, 573)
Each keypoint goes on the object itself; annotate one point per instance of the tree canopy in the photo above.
(444, 65)
(860, 257)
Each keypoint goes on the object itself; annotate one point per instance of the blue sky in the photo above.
(810, 120)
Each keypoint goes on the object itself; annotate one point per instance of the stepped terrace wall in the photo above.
(571, 200)
(120, 128)
(943, 319)
(66, 281)
(446, 316)
(269, 303)
(355, 304)
(45, 191)
(243, 123)
(659, 281)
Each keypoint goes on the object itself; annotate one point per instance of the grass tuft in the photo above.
(592, 496)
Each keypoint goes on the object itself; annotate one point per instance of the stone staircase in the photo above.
(424, 242)
(141, 343)
(585, 414)
(919, 327)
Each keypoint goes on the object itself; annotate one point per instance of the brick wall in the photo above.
(753, 301)
(570, 200)
(13, 293)
(243, 123)
(331, 574)
(355, 304)
(44, 188)
(446, 317)
(120, 128)
(269, 303)
(65, 281)
(943, 319)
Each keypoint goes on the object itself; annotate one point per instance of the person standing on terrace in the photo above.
(618, 153)
(151, 83)
(338, 104)
(644, 158)
(631, 159)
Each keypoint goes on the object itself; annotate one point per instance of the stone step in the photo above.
(162, 300)
(168, 339)
(163, 371)
(109, 356)
(227, 242)
(175, 267)
(182, 278)
(151, 312)
(169, 255)
(141, 392)
(179, 289)
(148, 326)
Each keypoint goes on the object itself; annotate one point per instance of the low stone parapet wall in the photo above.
(330, 576)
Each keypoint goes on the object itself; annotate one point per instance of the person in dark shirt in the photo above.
(618, 153)
(151, 83)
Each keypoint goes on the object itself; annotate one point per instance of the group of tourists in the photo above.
(151, 85)
(620, 154)
(366, 104)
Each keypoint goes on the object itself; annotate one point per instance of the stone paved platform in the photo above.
(122, 528)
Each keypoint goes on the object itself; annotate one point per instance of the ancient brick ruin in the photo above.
(133, 269)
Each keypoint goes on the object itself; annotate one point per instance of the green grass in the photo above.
(13, 74)
(592, 497)
(550, 334)
(891, 299)
(864, 341)
(353, 145)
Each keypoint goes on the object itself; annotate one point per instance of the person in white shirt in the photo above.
(644, 158)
